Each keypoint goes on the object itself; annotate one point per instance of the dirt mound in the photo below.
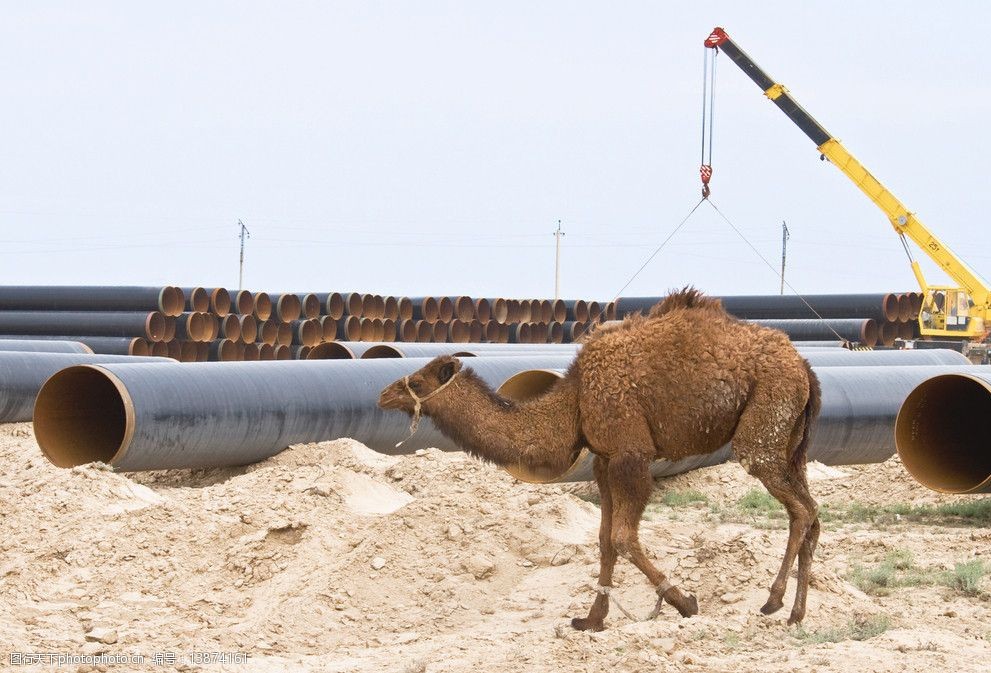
(330, 557)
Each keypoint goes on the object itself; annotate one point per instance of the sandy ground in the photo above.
(332, 558)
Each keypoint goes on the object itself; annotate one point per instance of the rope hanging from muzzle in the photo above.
(418, 401)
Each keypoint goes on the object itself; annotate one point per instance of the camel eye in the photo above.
(415, 386)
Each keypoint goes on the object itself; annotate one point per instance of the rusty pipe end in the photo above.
(199, 300)
(263, 306)
(405, 308)
(171, 301)
(74, 429)
(330, 350)
(936, 436)
(155, 326)
(244, 302)
(288, 307)
(382, 351)
(220, 301)
(335, 305)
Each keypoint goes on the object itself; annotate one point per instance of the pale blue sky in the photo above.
(430, 147)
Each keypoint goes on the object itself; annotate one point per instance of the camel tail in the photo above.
(800, 456)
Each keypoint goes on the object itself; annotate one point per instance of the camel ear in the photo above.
(446, 372)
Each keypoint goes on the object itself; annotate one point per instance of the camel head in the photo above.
(423, 384)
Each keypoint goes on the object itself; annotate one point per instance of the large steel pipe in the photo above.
(197, 299)
(425, 308)
(44, 346)
(332, 304)
(129, 415)
(152, 325)
(286, 307)
(244, 302)
(220, 301)
(168, 300)
(856, 423)
(24, 373)
(310, 305)
(864, 331)
(940, 432)
(881, 306)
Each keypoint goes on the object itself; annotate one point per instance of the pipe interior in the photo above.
(172, 300)
(263, 306)
(330, 350)
(937, 438)
(245, 302)
(74, 429)
(335, 305)
(382, 351)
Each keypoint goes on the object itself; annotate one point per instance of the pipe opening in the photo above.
(335, 305)
(74, 429)
(245, 302)
(249, 329)
(382, 351)
(220, 301)
(311, 306)
(405, 308)
(263, 306)
(936, 435)
(155, 326)
(199, 300)
(171, 301)
(330, 350)
(289, 307)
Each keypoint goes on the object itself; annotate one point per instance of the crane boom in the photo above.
(947, 311)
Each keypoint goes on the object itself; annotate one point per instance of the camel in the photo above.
(685, 380)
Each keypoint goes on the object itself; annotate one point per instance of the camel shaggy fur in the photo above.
(682, 381)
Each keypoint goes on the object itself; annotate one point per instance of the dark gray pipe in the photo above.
(44, 346)
(24, 373)
(864, 331)
(879, 306)
(169, 300)
(143, 416)
(151, 325)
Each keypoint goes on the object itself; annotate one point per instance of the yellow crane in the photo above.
(947, 311)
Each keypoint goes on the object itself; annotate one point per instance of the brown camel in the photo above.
(683, 381)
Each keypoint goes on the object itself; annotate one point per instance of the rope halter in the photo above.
(418, 401)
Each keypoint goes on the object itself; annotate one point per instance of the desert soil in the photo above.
(330, 557)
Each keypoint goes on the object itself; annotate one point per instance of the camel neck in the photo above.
(539, 434)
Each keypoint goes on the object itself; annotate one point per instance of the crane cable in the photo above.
(708, 115)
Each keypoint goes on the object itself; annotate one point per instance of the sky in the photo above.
(426, 148)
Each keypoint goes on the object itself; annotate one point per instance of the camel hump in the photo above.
(687, 297)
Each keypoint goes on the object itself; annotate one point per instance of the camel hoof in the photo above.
(771, 606)
(586, 624)
(796, 618)
(688, 606)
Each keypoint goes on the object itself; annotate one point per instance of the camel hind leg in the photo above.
(765, 447)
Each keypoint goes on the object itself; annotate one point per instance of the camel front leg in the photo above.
(631, 484)
(607, 553)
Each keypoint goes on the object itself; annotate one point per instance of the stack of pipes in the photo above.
(107, 320)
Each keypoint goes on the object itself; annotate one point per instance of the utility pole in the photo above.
(557, 260)
(784, 252)
(244, 234)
